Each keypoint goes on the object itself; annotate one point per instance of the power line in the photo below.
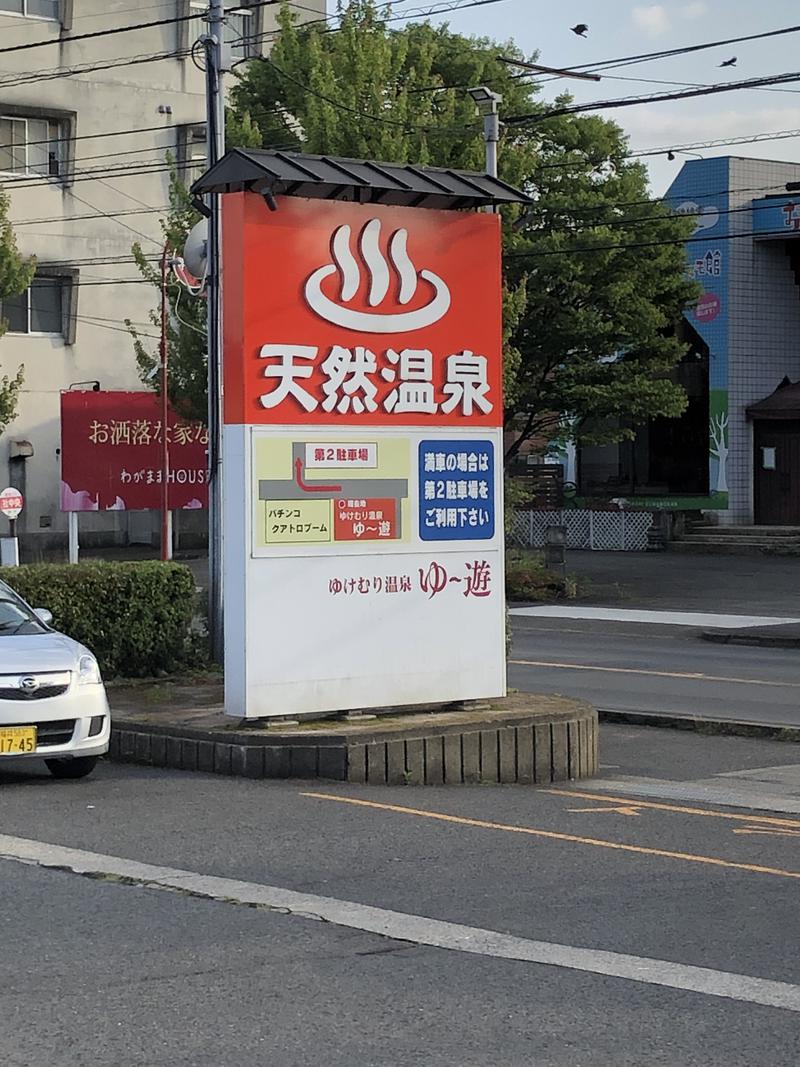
(618, 221)
(758, 138)
(755, 138)
(57, 73)
(99, 325)
(91, 282)
(111, 133)
(694, 196)
(611, 64)
(631, 101)
(645, 57)
(691, 85)
(402, 124)
(154, 57)
(95, 34)
(113, 218)
(95, 174)
(136, 168)
(644, 244)
(24, 29)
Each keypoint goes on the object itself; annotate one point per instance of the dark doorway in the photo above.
(666, 456)
(776, 467)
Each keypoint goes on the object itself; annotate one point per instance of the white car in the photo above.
(53, 704)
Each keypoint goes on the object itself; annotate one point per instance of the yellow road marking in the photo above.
(688, 857)
(770, 820)
(622, 809)
(766, 832)
(693, 676)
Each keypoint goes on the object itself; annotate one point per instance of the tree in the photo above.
(186, 321)
(595, 268)
(16, 274)
(605, 275)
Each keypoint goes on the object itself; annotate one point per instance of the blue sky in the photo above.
(623, 27)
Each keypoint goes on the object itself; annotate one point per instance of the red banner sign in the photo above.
(112, 459)
(340, 313)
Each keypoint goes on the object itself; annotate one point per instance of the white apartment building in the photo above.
(85, 127)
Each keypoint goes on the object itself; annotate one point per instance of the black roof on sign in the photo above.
(359, 180)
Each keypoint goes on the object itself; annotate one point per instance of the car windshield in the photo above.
(15, 615)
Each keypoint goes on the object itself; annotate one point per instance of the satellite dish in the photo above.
(195, 251)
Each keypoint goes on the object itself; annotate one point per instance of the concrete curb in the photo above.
(712, 727)
(523, 748)
(721, 637)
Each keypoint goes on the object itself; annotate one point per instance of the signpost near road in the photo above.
(362, 441)
(11, 505)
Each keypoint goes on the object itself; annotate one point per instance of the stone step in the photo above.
(744, 531)
(721, 539)
(737, 546)
(744, 541)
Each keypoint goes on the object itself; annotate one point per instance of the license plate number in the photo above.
(17, 739)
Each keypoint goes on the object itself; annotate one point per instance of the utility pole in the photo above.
(217, 62)
(166, 515)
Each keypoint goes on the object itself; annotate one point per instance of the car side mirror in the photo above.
(43, 615)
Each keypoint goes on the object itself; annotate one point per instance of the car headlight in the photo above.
(88, 671)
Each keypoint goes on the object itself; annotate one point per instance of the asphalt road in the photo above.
(110, 969)
(746, 584)
(640, 667)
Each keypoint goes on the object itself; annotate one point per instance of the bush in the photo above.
(135, 617)
(527, 578)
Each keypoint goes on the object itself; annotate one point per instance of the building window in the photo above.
(39, 310)
(192, 149)
(34, 9)
(31, 145)
(239, 29)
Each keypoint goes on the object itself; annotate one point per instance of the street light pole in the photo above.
(488, 102)
(491, 135)
(217, 62)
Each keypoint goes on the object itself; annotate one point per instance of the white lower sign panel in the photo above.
(364, 571)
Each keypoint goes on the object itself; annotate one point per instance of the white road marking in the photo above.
(662, 618)
(416, 929)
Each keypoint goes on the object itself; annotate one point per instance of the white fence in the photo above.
(602, 531)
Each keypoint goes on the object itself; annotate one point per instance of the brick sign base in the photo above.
(528, 745)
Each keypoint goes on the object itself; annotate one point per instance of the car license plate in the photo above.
(17, 739)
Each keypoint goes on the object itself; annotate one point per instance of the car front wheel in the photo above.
(71, 768)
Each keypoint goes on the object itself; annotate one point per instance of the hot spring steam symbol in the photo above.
(379, 280)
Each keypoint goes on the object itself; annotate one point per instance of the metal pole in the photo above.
(491, 136)
(166, 538)
(215, 127)
(74, 546)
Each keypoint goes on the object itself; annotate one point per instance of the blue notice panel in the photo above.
(456, 490)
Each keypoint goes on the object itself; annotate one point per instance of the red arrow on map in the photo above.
(298, 466)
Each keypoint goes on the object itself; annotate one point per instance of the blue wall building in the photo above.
(736, 451)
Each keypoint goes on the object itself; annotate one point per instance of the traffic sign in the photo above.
(11, 503)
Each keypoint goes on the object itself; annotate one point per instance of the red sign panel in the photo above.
(111, 454)
(365, 520)
(361, 314)
(11, 503)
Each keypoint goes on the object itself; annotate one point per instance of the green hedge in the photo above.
(135, 617)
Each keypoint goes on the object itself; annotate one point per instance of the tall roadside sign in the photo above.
(362, 456)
